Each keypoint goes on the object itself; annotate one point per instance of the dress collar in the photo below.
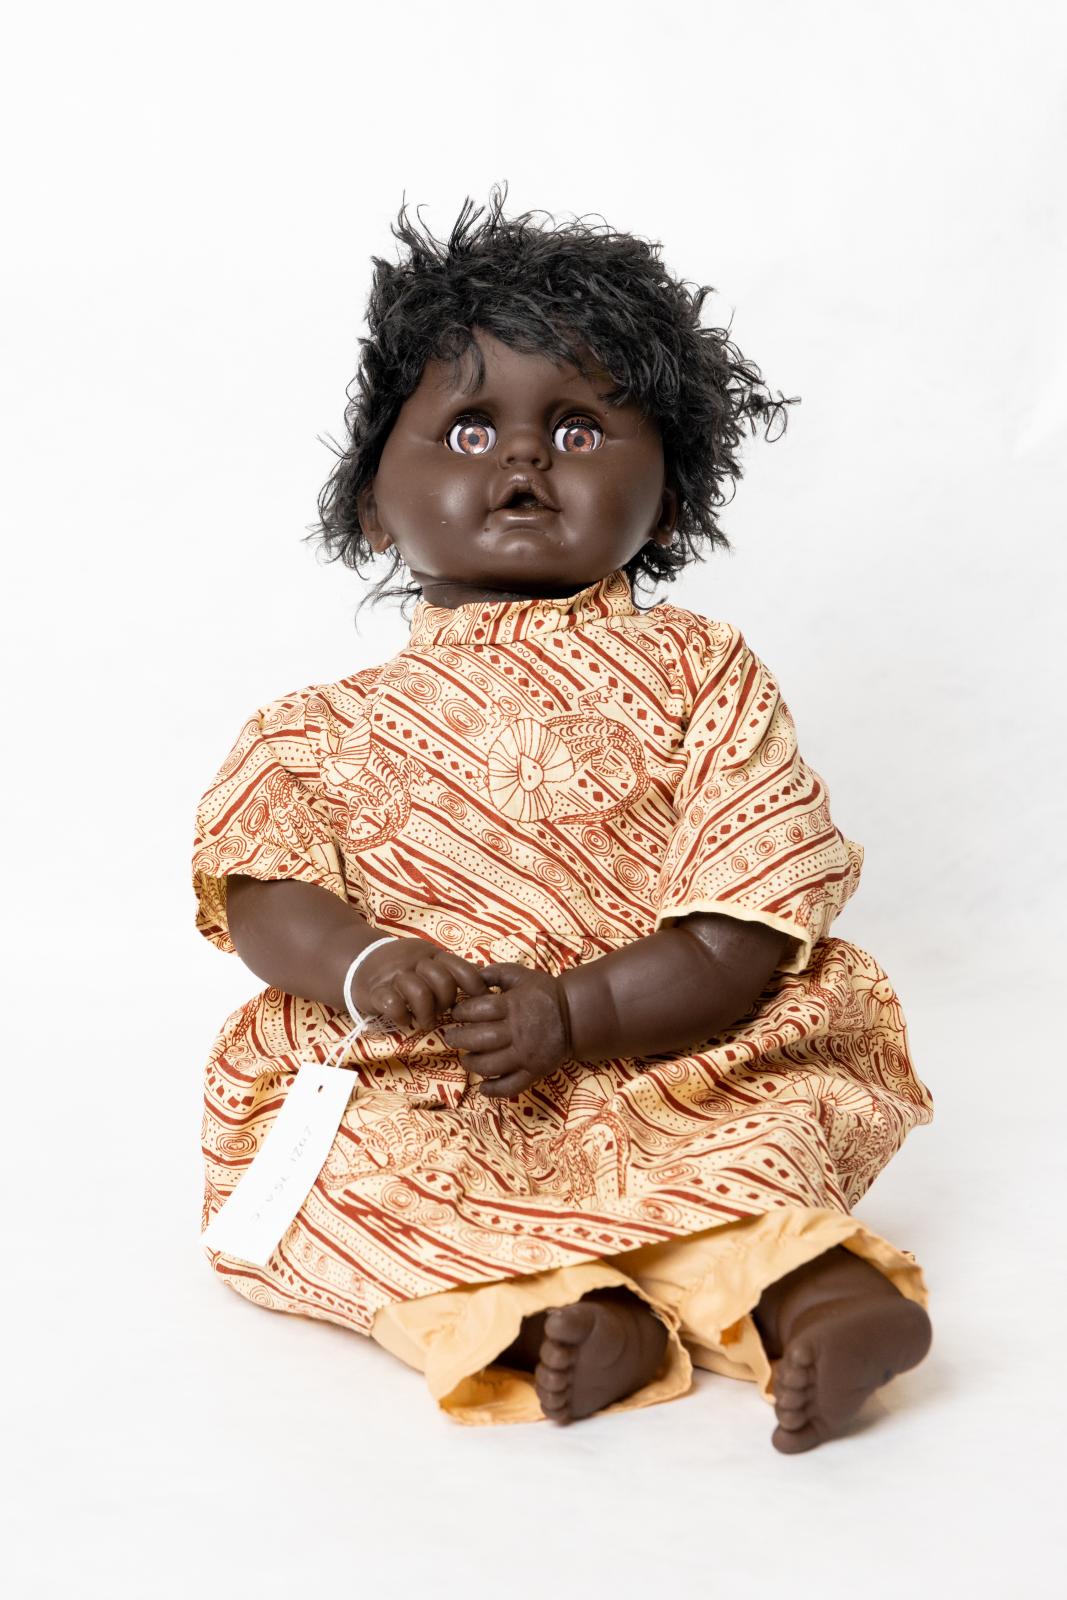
(481, 623)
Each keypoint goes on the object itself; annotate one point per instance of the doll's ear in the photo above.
(663, 532)
(369, 520)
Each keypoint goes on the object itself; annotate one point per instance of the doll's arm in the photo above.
(302, 938)
(669, 991)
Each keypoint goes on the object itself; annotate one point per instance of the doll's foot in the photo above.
(838, 1330)
(590, 1354)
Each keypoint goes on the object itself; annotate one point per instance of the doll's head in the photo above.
(536, 406)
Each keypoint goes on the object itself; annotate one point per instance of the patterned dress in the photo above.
(544, 781)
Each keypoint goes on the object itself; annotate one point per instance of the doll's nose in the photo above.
(525, 446)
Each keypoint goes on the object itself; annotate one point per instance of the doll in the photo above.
(625, 1086)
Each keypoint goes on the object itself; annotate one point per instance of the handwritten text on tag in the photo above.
(281, 1174)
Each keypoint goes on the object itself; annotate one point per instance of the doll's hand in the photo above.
(514, 1037)
(411, 981)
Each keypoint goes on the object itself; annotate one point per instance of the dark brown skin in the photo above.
(837, 1328)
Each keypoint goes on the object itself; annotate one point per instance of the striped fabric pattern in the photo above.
(544, 781)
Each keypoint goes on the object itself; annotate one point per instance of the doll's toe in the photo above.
(552, 1380)
(558, 1357)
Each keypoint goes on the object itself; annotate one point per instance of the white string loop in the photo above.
(361, 1023)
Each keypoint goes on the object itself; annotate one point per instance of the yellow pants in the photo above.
(704, 1288)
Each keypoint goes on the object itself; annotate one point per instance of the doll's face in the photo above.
(456, 452)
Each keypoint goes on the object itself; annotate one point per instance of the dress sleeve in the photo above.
(266, 815)
(753, 837)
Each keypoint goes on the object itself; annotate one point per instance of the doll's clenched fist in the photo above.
(514, 1037)
(411, 980)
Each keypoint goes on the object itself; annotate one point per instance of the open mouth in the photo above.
(524, 496)
(523, 500)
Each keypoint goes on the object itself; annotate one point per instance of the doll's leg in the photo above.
(810, 1304)
(591, 1354)
(837, 1330)
(482, 1347)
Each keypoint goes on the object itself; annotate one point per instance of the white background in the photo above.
(191, 200)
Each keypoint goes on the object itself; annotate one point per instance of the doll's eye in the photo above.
(577, 436)
(471, 436)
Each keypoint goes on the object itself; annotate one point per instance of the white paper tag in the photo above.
(281, 1174)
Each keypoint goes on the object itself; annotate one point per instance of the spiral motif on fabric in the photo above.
(696, 816)
(398, 1196)
(896, 1064)
(794, 833)
(676, 1172)
(739, 863)
(531, 1253)
(232, 762)
(672, 1071)
(237, 1144)
(596, 841)
(231, 849)
(630, 873)
(497, 842)
(548, 872)
(450, 934)
(463, 718)
(658, 1211)
(421, 687)
(773, 751)
(256, 816)
(452, 805)
(765, 846)
(260, 1295)
(391, 911)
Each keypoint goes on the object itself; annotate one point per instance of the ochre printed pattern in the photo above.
(544, 782)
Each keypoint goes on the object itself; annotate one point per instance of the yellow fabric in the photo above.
(703, 1288)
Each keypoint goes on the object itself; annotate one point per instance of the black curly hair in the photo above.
(575, 292)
